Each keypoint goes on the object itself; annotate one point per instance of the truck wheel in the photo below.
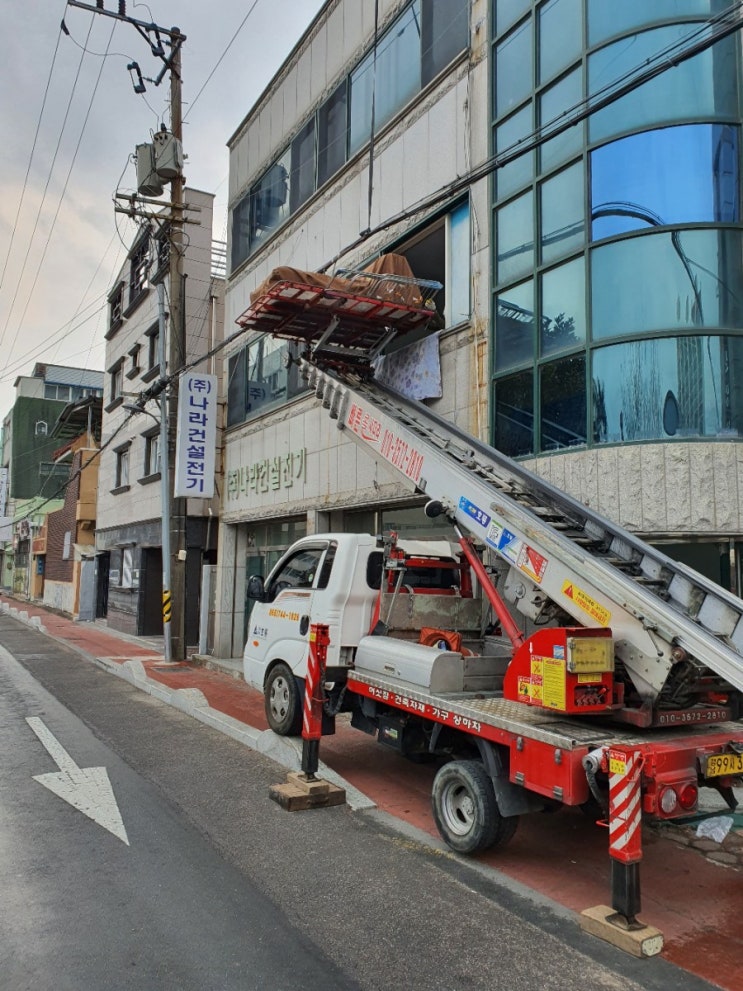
(465, 808)
(283, 702)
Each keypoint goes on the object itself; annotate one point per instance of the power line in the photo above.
(64, 190)
(219, 60)
(30, 158)
(46, 188)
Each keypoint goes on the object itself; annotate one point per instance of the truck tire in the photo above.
(465, 809)
(283, 701)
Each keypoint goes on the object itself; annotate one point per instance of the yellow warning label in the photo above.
(537, 665)
(617, 766)
(584, 601)
(553, 683)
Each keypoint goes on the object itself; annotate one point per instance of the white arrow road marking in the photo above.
(88, 789)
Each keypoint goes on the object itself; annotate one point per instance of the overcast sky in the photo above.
(61, 244)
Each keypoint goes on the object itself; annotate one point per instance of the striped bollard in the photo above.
(625, 836)
(313, 698)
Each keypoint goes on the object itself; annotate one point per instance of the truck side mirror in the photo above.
(255, 588)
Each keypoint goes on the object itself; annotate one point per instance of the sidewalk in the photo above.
(692, 888)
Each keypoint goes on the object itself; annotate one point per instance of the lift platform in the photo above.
(344, 321)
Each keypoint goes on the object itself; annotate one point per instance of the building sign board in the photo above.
(196, 436)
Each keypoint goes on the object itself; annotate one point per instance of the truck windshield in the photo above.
(297, 571)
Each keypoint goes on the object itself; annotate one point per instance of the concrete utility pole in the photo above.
(177, 358)
(173, 510)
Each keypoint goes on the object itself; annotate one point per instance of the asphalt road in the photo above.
(214, 887)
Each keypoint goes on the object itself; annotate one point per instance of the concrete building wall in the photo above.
(424, 147)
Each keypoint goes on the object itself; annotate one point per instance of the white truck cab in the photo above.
(330, 578)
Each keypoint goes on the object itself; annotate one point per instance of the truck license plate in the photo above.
(721, 765)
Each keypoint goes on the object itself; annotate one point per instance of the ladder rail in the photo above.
(567, 505)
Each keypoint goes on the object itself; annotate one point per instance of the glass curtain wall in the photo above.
(618, 248)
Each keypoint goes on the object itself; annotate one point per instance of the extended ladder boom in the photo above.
(665, 618)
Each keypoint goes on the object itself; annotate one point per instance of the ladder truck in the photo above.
(625, 698)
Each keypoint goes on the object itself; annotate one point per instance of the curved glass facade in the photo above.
(618, 244)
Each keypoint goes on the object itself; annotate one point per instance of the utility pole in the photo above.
(173, 510)
(177, 357)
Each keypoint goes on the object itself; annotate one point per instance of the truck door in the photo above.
(280, 625)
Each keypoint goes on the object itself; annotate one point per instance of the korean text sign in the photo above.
(196, 436)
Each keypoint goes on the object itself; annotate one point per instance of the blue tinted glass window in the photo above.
(514, 415)
(240, 232)
(445, 33)
(553, 103)
(460, 256)
(606, 19)
(675, 175)
(560, 36)
(515, 234)
(271, 379)
(518, 173)
(513, 69)
(514, 326)
(562, 213)
(398, 71)
(704, 86)
(508, 11)
(673, 387)
(332, 128)
(563, 323)
(392, 75)
(563, 403)
(667, 281)
(269, 200)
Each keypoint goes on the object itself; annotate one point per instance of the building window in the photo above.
(629, 179)
(700, 271)
(513, 69)
(562, 213)
(139, 263)
(122, 467)
(514, 414)
(444, 34)
(40, 428)
(667, 388)
(702, 87)
(606, 20)
(133, 369)
(440, 252)
(162, 254)
(387, 77)
(563, 297)
(302, 183)
(560, 25)
(259, 379)
(153, 353)
(152, 453)
(116, 382)
(425, 37)
(269, 200)
(240, 232)
(332, 128)
(563, 403)
(59, 392)
(514, 326)
(514, 227)
(115, 309)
